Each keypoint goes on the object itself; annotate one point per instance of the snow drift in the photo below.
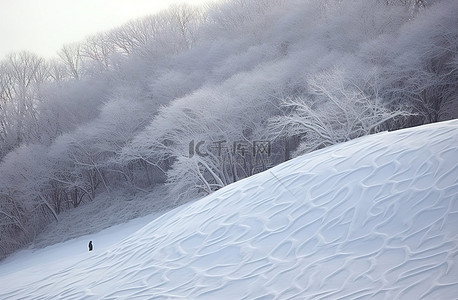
(375, 217)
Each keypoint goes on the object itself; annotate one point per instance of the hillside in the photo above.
(374, 217)
(176, 105)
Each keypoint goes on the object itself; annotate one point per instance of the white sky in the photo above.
(43, 26)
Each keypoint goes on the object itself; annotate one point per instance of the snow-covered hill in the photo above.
(374, 218)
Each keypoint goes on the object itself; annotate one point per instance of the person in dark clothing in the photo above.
(90, 246)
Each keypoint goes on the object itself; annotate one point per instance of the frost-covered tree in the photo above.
(24, 203)
(71, 57)
(21, 76)
(422, 69)
(99, 51)
(336, 109)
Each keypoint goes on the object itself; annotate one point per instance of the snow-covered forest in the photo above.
(194, 99)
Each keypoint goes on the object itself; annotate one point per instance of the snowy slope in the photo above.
(373, 218)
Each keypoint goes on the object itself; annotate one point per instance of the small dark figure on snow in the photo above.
(90, 246)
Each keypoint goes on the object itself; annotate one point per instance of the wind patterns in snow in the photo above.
(375, 217)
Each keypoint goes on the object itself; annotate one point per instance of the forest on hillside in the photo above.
(196, 98)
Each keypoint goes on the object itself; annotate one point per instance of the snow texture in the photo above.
(374, 218)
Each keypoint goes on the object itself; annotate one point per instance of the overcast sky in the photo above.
(43, 26)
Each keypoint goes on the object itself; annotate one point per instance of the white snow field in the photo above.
(374, 218)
